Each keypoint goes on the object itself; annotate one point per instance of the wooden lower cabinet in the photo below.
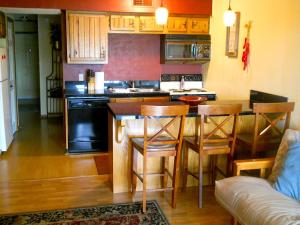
(157, 99)
(124, 100)
(140, 99)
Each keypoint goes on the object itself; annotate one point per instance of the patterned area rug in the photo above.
(125, 214)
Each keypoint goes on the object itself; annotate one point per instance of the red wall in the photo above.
(131, 57)
(203, 7)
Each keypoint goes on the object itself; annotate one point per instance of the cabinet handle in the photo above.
(102, 53)
(194, 23)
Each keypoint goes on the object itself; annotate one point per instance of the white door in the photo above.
(6, 133)
(12, 74)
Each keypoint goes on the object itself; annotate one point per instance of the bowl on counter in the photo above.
(192, 100)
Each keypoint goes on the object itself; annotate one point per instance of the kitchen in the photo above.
(222, 74)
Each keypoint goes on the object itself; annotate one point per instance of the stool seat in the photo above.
(139, 144)
(221, 145)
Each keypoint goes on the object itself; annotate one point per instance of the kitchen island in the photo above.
(125, 122)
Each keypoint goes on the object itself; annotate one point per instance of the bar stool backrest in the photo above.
(154, 112)
(272, 113)
(209, 113)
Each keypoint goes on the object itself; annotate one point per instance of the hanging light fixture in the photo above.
(161, 14)
(229, 16)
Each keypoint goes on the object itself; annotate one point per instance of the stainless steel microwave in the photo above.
(185, 49)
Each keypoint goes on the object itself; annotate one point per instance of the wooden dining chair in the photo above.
(161, 144)
(219, 140)
(268, 137)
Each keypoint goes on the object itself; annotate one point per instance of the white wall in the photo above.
(274, 51)
(45, 60)
(2, 42)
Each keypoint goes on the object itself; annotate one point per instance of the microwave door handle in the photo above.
(194, 50)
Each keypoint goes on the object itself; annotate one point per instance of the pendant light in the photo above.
(229, 16)
(161, 14)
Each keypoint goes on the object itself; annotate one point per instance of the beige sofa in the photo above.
(252, 200)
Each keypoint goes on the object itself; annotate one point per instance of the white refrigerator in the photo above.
(6, 132)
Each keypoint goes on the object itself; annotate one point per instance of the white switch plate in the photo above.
(80, 77)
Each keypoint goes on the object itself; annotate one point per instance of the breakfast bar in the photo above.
(125, 122)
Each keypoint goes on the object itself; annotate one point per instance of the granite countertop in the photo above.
(107, 93)
(78, 89)
(121, 111)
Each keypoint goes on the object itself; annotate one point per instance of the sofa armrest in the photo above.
(252, 164)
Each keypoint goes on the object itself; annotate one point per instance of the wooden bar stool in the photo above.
(213, 143)
(269, 136)
(162, 144)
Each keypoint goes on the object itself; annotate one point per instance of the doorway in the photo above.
(27, 62)
(12, 74)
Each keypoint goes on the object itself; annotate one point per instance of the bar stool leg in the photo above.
(213, 173)
(229, 168)
(185, 167)
(174, 181)
(133, 168)
(164, 179)
(200, 205)
(144, 183)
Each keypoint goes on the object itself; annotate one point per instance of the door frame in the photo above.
(11, 20)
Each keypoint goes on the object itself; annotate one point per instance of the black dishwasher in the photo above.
(87, 125)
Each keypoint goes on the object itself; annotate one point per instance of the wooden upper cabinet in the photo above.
(121, 23)
(87, 36)
(177, 25)
(148, 24)
(198, 25)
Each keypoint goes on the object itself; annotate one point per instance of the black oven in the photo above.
(210, 97)
(87, 125)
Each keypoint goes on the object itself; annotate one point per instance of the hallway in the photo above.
(38, 151)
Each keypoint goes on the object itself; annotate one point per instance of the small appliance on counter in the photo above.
(185, 84)
(99, 81)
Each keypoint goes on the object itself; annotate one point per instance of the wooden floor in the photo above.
(40, 195)
(38, 152)
(36, 175)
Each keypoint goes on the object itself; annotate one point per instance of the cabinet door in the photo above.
(126, 100)
(198, 25)
(87, 38)
(123, 23)
(148, 24)
(157, 99)
(177, 25)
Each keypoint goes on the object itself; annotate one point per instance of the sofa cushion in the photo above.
(288, 181)
(290, 136)
(253, 201)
